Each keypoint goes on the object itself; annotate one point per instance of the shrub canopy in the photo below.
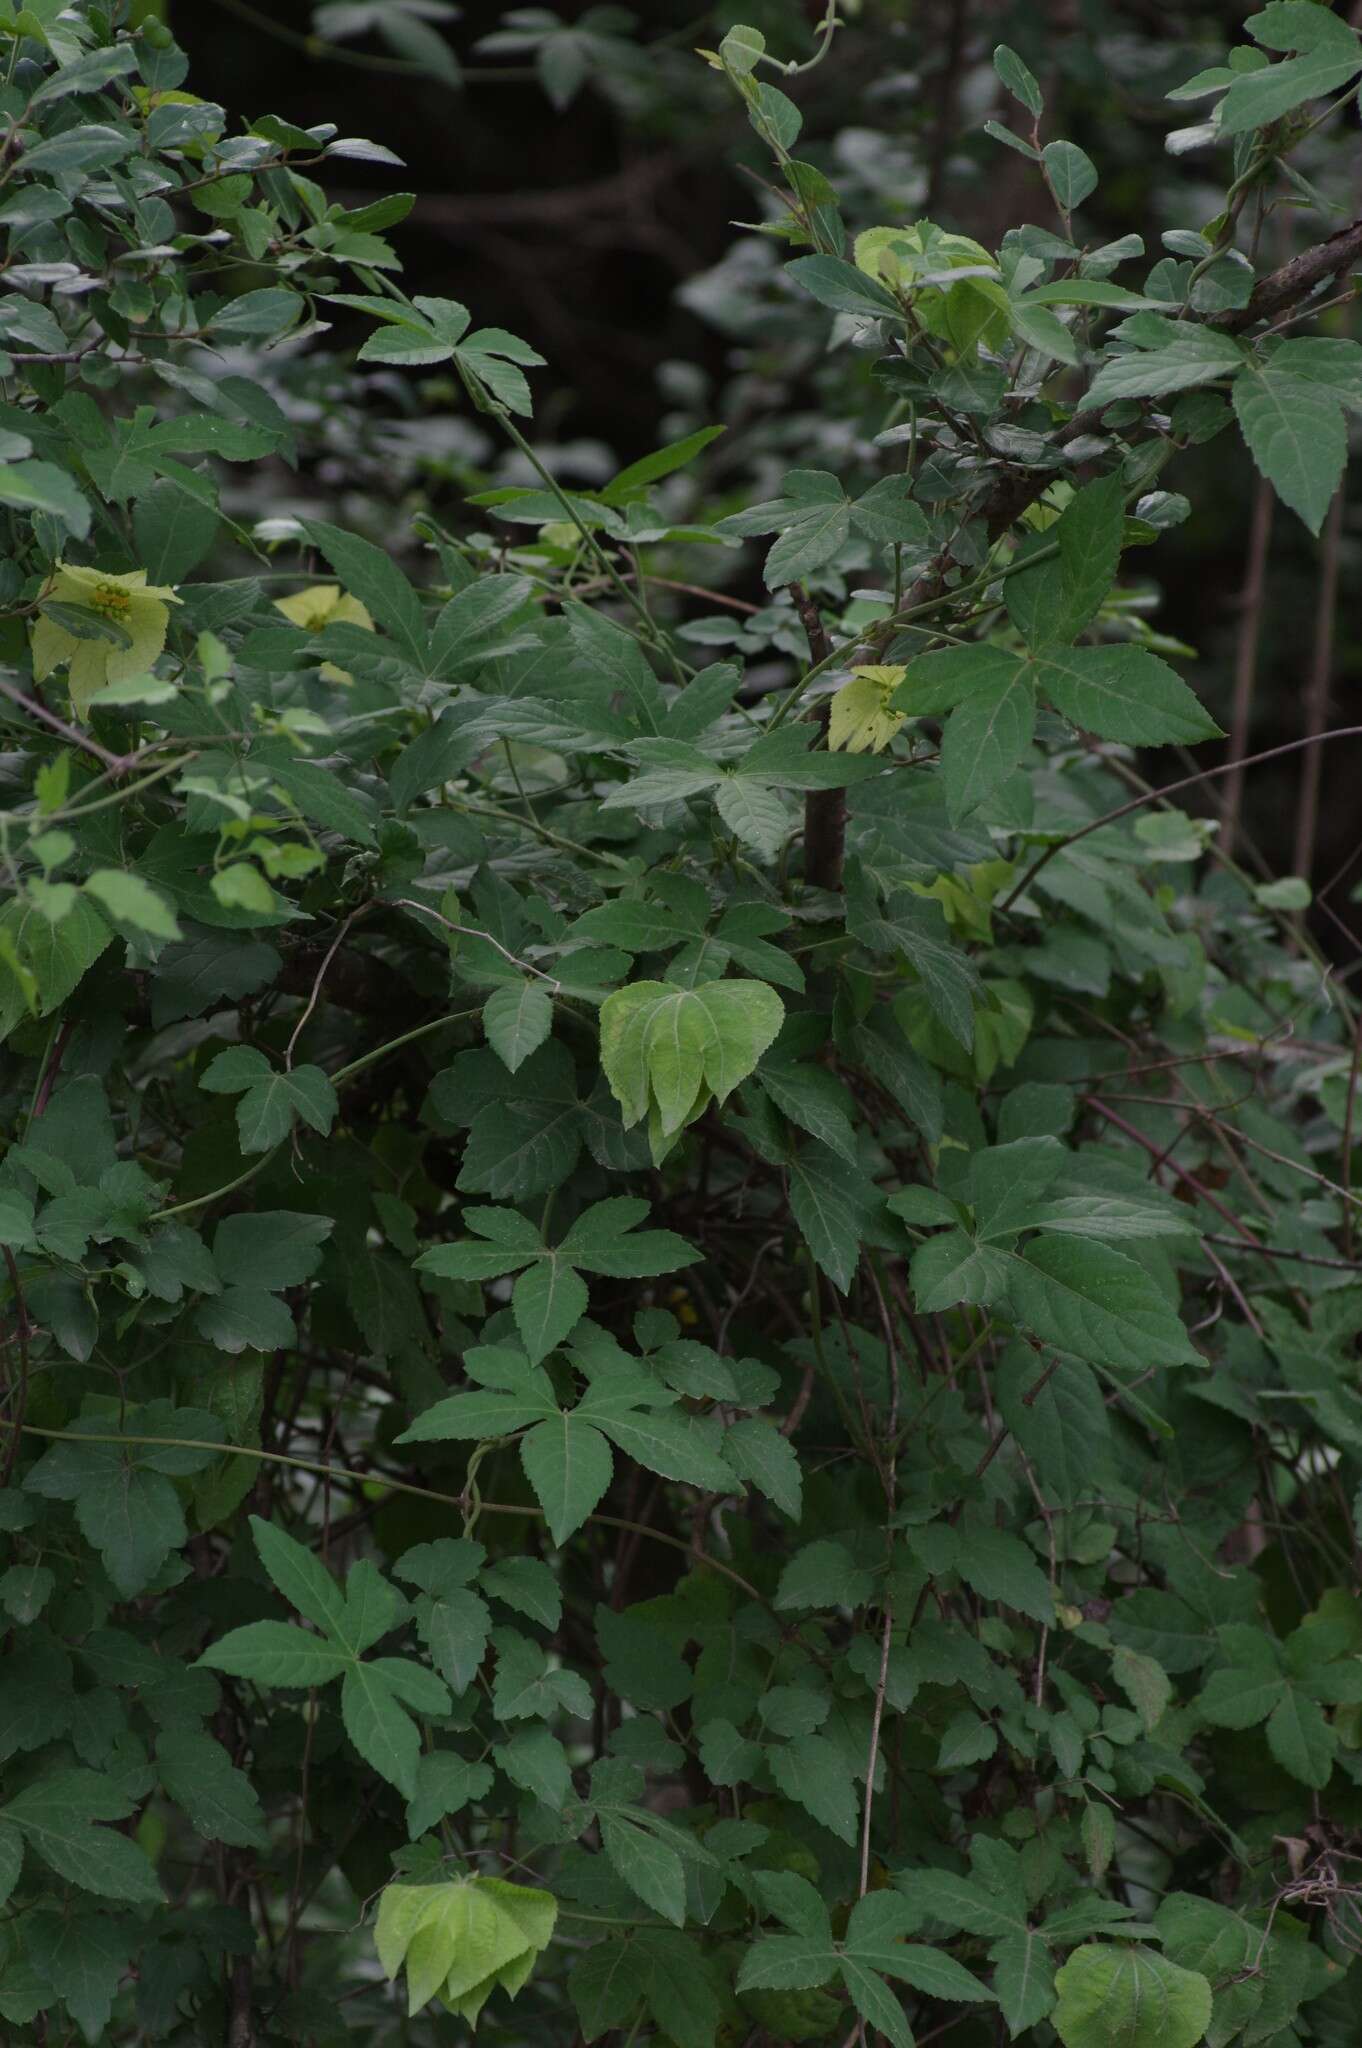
(678, 1293)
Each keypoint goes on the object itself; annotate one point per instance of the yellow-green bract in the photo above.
(460, 1941)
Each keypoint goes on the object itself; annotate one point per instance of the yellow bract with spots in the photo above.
(860, 720)
(325, 604)
(141, 610)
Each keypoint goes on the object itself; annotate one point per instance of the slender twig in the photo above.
(1341, 732)
(1317, 687)
(329, 956)
(1246, 657)
(117, 764)
(354, 1476)
(466, 931)
(881, 1685)
(1349, 1113)
(22, 1328)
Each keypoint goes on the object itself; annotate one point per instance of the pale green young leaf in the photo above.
(130, 900)
(667, 1047)
(517, 1020)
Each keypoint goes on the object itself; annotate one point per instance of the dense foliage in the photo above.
(680, 1343)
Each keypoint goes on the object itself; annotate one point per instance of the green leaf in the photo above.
(916, 929)
(651, 1868)
(1129, 1997)
(303, 1580)
(1144, 1682)
(955, 1267)
(1263, 96)
(455, 1628)
(131, 1515)
(42, 487)
(758, 1452)
(823, 1574)
(517, 1020)
(1000, 1567)
(1097, 1303)
(463, 1939)
(548, 1301)
(266, 1112)
(1073, 175)
(1300, 1738)
(843, 287)
(382, 1733)
(813, 1772)
(271, 1653)
(834, 1205)
(57, 1816)
(1296, 435)
(132, 902)
(1123, 693)
(985, 739)
(650, 469)
(568, 1463)
(375, 579)
(1053, 601)
(1019, 79)
(59, 955)
(1190, 356)
(1023, 1980)
(446, 1784)
(218, 1798)
(875, 2002)
(754, 813)
(536, 1761)
(270, 1248)
(670, 1445)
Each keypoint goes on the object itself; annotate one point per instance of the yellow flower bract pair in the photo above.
(860, 720)
(139, 608)
(325, 604)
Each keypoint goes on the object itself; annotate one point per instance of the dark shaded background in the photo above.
(576, 228)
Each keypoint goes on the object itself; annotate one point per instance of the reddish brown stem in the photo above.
(825, 810)
(1246, 658)
(1317, 689)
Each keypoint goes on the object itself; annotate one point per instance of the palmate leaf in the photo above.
(1129, 1997)
(1120, 693)
(871, 1950)
(273, 1653)
(271, 1101)
(463, 1940)
(550, 1297)
(668, 1049)
(566, 1453)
